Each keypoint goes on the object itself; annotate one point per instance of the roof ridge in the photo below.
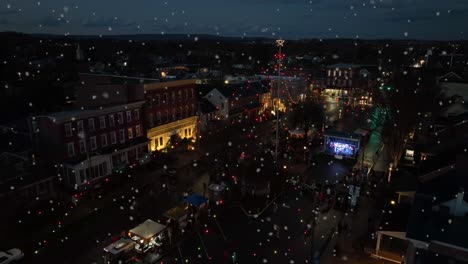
(436, 173)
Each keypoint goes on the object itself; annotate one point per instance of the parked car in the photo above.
(10, 256)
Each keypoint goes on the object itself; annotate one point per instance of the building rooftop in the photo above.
(96, 78)
(237, 90)
(148, 229)
(341, 133)
(169, 84)
(430, 218)
(342, 65)
(72, 114)
(206, 106)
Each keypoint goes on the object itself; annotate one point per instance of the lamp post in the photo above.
(390, 169)
(280, 44)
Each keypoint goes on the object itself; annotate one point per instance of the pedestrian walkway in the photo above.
(350, 243)
(325, 226)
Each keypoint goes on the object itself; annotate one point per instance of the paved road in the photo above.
(255, 240)
(81, 239)
(78, 234)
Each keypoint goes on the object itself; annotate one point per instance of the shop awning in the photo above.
(147, 229)
(196, 200)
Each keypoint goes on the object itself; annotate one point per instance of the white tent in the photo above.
(147, 229)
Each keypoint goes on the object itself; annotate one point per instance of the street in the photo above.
(276, 236)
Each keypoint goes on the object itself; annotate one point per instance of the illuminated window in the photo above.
(410, 153)
(137, 131)
(130, 132)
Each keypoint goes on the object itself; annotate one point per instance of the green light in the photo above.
(389, 88)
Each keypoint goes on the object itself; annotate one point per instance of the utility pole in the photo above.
(197, 134)
(280, 44)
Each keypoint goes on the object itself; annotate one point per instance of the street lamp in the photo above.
(390, 169)
(280, 44)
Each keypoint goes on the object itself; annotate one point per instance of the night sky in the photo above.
(413, 19)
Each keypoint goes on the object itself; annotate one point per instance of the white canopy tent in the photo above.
(147, 229)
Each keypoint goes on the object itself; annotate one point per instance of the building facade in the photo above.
(351, 82)
(88, 145)
(170, 112)
(239, 101)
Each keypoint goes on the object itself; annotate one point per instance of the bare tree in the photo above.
(406, 101)
(307, 115)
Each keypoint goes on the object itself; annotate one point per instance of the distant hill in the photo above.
(208, 37)
(160, 37)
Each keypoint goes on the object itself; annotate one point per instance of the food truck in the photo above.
(120, 251)
(148, 236)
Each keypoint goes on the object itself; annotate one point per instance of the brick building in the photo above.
(88, 145)
(104, 132)
(351, 81)
(170, 112)
(239, 101)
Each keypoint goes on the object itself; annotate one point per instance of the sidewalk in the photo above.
(351, 242)
(325, 225)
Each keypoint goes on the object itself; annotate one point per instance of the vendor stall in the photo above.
(217, 192)
(119, 251)
(179, 214)
(148, 235)
(196, 204)
(197, 201)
